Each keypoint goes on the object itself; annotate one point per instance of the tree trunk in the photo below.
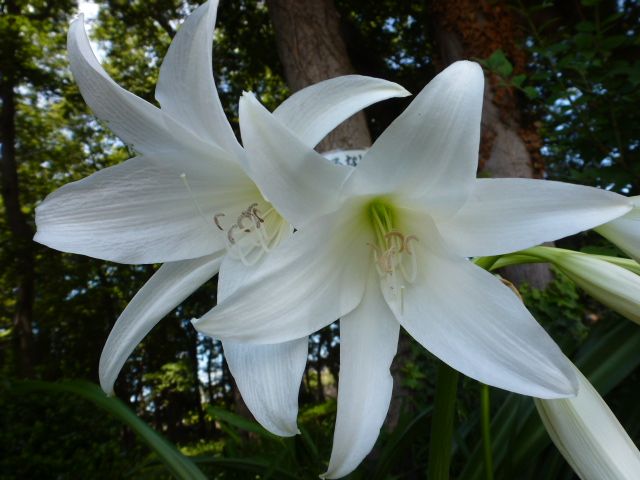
(311, 49)
(21, 231)
(467, 29)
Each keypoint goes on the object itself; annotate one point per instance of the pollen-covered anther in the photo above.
(230, 238)
(249, 237)
(407, 239)
(216, 220)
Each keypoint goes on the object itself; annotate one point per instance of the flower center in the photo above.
(393, 256)
(253, 234)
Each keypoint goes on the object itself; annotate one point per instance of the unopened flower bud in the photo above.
(589, 436)
(625, 231)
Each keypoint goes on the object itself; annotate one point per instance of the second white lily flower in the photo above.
(395, 253)
(185, 201)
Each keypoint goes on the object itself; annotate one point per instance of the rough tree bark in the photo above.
(311, 49)
(21, 231)
(467, 29)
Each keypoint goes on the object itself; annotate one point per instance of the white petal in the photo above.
(471, 321)
(164, 291)
(503, 215)
(589, 436)
(269, 378)
(298, 181)
(311, 113)
(307, 282)
(186, 89)
(138, 123)
(368, 343)
(625, 231)
(432, 148)
(137, 212)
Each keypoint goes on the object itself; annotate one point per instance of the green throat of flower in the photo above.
(393, 254)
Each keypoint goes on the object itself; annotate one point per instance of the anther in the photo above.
(256, 213)
(216, 220)
(406, 243)
(230, 234)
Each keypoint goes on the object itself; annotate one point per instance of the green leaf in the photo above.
(615, 41)
(585, 26)
(583, 41)
(257, 465)
(442, 423)
(401, 438)
(518, 80)
(240, 422)
(499, 63)
(178, 464)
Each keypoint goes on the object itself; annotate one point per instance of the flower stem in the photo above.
(486, 431)
(442, 423)
(486, 262)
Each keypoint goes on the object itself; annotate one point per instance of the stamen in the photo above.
(393, 255)
(247, 239)
(406, 243)
(242, 217)
(232, 241)
(183, 177)
(256, 213)
(216, 220)
(397, 235)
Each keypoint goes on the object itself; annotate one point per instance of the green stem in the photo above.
(442, 423)
(486, 262)
(486, 431)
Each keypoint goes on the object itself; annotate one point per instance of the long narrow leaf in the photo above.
(397, 442)
(240, 422)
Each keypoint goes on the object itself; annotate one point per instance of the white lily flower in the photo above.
(395, 251)
(589, 436)
(625, 231)
(186, 200)
(611, 284)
